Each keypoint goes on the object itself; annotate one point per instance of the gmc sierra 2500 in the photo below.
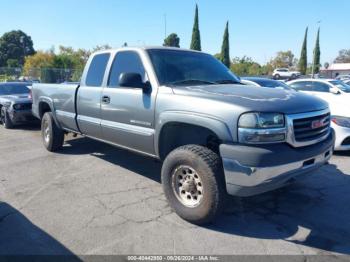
(214, 135)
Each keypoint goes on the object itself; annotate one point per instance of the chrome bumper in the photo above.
(247, 180)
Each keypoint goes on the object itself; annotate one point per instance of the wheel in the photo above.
(5, 119)
(293, 76)
(277, 76)
(193, 182)
(52, 135)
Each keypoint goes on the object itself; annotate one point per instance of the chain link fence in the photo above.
(42, 75)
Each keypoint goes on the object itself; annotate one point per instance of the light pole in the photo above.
(21, 40)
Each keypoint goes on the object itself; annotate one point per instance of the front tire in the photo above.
(277, 76)
(5, 119)
(193, 182)
(52, 135)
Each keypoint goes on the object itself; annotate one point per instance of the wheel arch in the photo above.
(46, 105)
(176, 129)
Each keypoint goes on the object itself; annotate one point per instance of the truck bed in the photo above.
(61, 98)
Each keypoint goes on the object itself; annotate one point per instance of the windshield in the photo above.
(271, 83)
(189, 68)
(11, 89)
(343, 87)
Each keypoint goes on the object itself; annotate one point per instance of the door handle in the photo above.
(106, 99)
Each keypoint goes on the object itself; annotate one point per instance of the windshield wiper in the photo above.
(227, 81)
(192, 81)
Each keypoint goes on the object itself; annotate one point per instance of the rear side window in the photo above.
(125, 62)
(302, 86)
(320, 87)
(97, 70)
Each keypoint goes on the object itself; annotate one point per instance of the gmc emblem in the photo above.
(318, 123)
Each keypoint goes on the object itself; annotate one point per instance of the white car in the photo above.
(285, 73)
(337, 94)
(347, 81)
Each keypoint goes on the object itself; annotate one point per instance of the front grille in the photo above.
(311, 128)
(26, 106)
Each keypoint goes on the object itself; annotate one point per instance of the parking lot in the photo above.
(92, 198)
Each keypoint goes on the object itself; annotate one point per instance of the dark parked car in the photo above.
(264, 82)
(15, 104)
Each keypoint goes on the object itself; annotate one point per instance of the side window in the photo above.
(125, 62)
(320, 87)
(97, 70)
(302, 86)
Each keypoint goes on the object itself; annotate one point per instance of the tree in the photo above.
(101, 47)
(12, 63)
(303, 55)
(172, 40)
(317, 55)
(225, 49)
(196, 37)
(15, 45)
(38, 61)
(218, 56)
(284, 59)
(343, 56)
(245, 66)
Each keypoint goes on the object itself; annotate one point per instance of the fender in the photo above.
(48, 101)
(216, 125)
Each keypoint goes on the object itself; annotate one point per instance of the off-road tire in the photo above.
(208, 165)
(52, 135)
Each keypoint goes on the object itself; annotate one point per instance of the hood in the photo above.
(339, 104)
(253, 98)
(17, 98)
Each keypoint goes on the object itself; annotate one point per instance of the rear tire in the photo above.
(277, 76)
(52, 135)
(5, 119)
(193, 182)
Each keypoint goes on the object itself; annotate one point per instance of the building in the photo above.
(336, 69)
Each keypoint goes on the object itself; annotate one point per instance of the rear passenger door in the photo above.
(89, 96)
(127, 112)
(321, 90)
(303, 86)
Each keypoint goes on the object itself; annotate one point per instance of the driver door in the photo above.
(127, 113)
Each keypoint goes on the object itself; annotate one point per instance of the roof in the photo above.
(254, 78)
(339, 66)
(147, 48)
(324, 80)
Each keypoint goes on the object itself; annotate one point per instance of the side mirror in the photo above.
(334, 91)
(133, 80)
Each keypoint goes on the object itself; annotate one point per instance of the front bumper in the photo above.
(341, 134)
(21, 116)
(251, 170)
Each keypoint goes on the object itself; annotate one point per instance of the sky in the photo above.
(258, 29)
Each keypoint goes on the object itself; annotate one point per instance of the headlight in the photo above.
(341, 121)
(261, 120)
(261, 128)
(17, 106)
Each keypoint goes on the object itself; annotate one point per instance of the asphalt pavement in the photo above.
(92, 198)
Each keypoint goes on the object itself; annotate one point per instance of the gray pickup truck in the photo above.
(214, 135)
